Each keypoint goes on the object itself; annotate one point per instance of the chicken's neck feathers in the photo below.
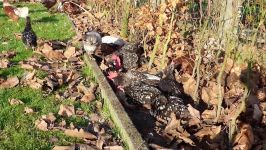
(28, 26)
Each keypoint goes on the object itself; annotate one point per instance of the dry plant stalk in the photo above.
(196, 69)
(220, 93)
(125, 20)
(169, 34)
(232, 123)
(157, 40)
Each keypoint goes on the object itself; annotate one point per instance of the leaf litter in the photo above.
(63, 77)
(200, 129)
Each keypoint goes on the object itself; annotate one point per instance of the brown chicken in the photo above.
(9, 10)
(69, 7)
(48, 3)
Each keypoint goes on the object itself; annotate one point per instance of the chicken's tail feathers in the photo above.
(22, 12)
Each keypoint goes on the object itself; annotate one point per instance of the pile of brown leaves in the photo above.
(200, 130)
(62, 66)
(146, 21)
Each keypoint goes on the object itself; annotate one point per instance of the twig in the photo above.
(157, 41)
(220, 93)
(125, 20)
(168, 39)
(209, 8)
(200, 11)
(196, 68)
(232, 123)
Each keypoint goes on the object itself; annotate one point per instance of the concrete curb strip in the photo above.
(129, 133)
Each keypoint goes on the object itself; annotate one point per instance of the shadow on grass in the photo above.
(47, 19)
(2, 15)
(37, 11)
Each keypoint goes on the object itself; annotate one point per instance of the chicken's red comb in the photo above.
(117, 60)
(112, 75)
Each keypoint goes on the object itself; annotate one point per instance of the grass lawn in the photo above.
(46, 25)
(17, 131)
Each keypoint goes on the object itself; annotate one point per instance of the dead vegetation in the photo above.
(229, 92)
(224, 81)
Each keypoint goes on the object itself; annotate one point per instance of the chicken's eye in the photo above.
(94, 41)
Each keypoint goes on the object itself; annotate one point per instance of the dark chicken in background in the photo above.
(48, 3)
(130, 54)
(29, 37)
(69, 7)
(168, 84)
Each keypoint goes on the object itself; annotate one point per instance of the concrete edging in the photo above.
(127, 130)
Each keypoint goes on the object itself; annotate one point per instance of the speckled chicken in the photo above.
(48, 3)
(142, 93)
(168, 84)
(163, 107)
(131, 77)
(29, 37)
(139, 87)
(130, 54)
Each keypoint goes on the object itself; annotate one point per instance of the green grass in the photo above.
(47, 26)
(17, 130)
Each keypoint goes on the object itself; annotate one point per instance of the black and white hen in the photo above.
(141, 93)
(130, 54)
(139, 87)
(29, 37)
(164, 106)
(168, 84)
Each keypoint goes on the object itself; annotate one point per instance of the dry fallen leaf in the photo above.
(10, 82)
(113, 148)
(4, 63)
(189, 85)
(51, 54)
(193, 112)
(245, 138)
(50, 118)
(18, 36)
(15, 101)
(70, 52)
(100, 142)
(41, 124)
(88, 97)
(28, 110)
(208, 114)
(80, 134)
(173, 123)
(66, 110)
(64, 147)
(212, 132)
(195, 116)
(210, 94)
